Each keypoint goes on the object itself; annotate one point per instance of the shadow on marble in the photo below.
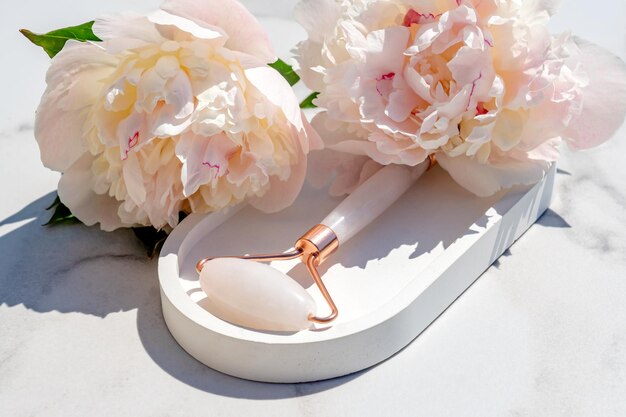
(70, 268)
(550, 218)
(78, 269)
(164, 350)
(73, 268)
(31, 211)
(561, 171)
(496, 264)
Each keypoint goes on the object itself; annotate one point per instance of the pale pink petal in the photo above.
(366, 148)
(346, 184)
(345, 171)
(385, 53)
(426, 35)
(311, 141)
(406, 151)
(324, 164)
(342, 170)
(538, 6)
(59, 134)
(127, 25)
(76, 193)
(401, 104)
(458, 25)
(134, 179)
(340, 138)
(74, 83)
(418, 84)
(204, 159)
(173, 117)
(281, 194)
(131, 133)
(330, 135)
(487, 179)
(308, 56)
(150, 89)
(468, 65)
(204, 31)
(277, 90)
(508, 128)
(318, 17)
(547, 151)
(604, 100)
(244, 32)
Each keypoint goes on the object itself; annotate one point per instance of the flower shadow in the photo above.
(79, 269)
(68, 268)
(451, 212)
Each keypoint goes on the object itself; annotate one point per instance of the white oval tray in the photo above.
(389, 282)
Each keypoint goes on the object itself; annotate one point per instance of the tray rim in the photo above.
(183, 235)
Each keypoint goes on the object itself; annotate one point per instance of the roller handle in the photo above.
(371, 199)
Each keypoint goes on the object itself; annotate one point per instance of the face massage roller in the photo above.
(244, 291)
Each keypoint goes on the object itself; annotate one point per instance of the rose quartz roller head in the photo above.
(248, 293)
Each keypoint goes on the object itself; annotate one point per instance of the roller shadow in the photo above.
(393, 229)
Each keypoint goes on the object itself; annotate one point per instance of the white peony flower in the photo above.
(173, 111)
(480, 83)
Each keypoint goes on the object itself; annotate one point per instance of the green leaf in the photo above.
(53, 42)
(153, 239)
(55, 203)
(307, 103)
(286, 71)
(61, 214)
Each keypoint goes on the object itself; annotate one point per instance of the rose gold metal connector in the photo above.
(313, 248)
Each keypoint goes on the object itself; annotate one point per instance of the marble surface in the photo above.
(541, 333)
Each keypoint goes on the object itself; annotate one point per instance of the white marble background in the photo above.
(541, 333)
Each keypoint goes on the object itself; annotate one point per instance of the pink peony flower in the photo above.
(173, 111)
(480, 83)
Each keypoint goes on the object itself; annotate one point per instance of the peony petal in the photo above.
(401, 104)
(277, 90)
(308, 57)
(330, 136)
(547, 151)
(344, 171)
(468, 65)
(131, 133)
(311, 141)
(366, 148)
(385, 52)
(128, 25)
(540, 6)
(340, 138)
(318, 17)
(346, 183)
(244, 32)
(204, 159)
(90, 208)
(134, 179)
(281, 194)
(487, 179)
(508, 128)
(173, 117)
(73, 84)
(604, 99)
(163, 18)
(458, 25)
